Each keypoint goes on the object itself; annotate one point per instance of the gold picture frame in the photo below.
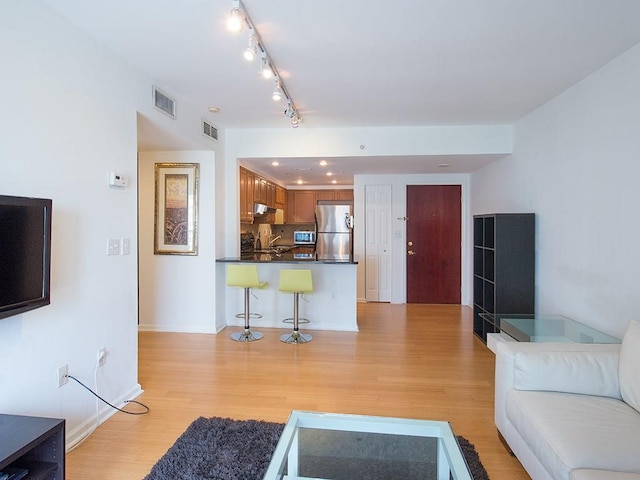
(176, 208)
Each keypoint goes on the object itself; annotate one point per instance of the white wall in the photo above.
(576, 164)
(177, 291)
(69, 115)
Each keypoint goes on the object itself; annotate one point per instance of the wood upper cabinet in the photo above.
(247, 180)
(260, 190)
(325, 195)
(346, 195)
(270, 195)
(281, 197)
(301, 206)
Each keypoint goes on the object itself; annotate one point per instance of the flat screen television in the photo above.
(25, 254)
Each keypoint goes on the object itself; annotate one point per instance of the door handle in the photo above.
(410, 252)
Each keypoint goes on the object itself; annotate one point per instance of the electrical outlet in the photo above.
(63, 375)
(102, 356)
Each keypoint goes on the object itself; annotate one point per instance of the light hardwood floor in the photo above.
(412, 361)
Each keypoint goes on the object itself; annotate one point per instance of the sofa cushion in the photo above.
(588, 474)
(628, 369)
(588, 373)
(568, 431)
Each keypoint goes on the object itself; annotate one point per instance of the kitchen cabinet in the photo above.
(271, 195)
(301, 206)
(503, 268)
(281, 197)
(345, 194)
(247, 180)
(260, 190)
(325, 195)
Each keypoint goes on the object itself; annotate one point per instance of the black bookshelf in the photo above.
(35, 444)
(503, 268)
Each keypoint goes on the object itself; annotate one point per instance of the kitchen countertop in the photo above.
(287, 257)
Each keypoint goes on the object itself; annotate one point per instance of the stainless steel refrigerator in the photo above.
(334, 230)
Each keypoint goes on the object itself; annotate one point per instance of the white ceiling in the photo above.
(365, 63)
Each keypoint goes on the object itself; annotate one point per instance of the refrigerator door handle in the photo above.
(348, 220)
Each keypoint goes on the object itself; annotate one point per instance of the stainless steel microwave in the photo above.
(304, 237)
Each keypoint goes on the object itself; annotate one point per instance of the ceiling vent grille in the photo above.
(164, 102)
(209, 130)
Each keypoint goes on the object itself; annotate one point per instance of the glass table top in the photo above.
(550, 328)
(335, 446)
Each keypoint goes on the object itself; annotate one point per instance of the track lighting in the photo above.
(277, 94)
(289, 111)
(235, 22)
(250, 51)
(265, 67)
(237, 19)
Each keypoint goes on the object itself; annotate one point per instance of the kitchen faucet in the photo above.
(271, 239)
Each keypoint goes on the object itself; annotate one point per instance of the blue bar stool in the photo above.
(296, 282)
(245, 276)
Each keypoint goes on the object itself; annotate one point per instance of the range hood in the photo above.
(260, 209)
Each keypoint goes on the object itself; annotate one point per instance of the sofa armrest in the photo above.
(505, 371)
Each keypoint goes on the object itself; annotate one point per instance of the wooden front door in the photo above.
(434, 243)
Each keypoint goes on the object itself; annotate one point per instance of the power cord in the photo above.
(146, 409)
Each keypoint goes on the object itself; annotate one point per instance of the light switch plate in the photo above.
(113, 246)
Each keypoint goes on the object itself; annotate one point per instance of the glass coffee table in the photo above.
(550, 328)
(335, 446)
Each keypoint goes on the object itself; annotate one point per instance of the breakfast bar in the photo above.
(331, 305)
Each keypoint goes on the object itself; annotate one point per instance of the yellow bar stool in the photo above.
(245, 276)
(296, 282)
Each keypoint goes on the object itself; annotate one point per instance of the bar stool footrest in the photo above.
(291, 320)
(251, 315)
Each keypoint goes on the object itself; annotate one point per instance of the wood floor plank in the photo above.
(411, 361)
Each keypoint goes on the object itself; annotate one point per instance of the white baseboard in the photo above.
(79, 434)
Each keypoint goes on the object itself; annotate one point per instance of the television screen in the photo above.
(25, 254)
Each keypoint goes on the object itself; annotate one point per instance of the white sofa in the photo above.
(571, 411)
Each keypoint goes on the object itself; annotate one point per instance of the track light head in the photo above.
(266, 70)
(236, 19)
(250, 52)
(289, 111)
(277, 93)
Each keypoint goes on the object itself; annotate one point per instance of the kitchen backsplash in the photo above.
(285, 231)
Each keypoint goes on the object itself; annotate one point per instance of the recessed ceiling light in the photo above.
(299, 182)
(275, 163)
(214, 109)
(323, 163)
(334, 181)
(329, 174)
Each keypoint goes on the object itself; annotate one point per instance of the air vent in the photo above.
(209, 130)
(164, 102)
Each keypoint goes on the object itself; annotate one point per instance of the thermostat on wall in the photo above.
(117, 180)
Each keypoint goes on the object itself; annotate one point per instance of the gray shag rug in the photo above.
(226, 449)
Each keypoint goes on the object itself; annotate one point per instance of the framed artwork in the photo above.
(176, 208)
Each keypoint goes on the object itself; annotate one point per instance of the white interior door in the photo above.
(378, 243)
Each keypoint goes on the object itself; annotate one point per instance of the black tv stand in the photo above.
(34, 443)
